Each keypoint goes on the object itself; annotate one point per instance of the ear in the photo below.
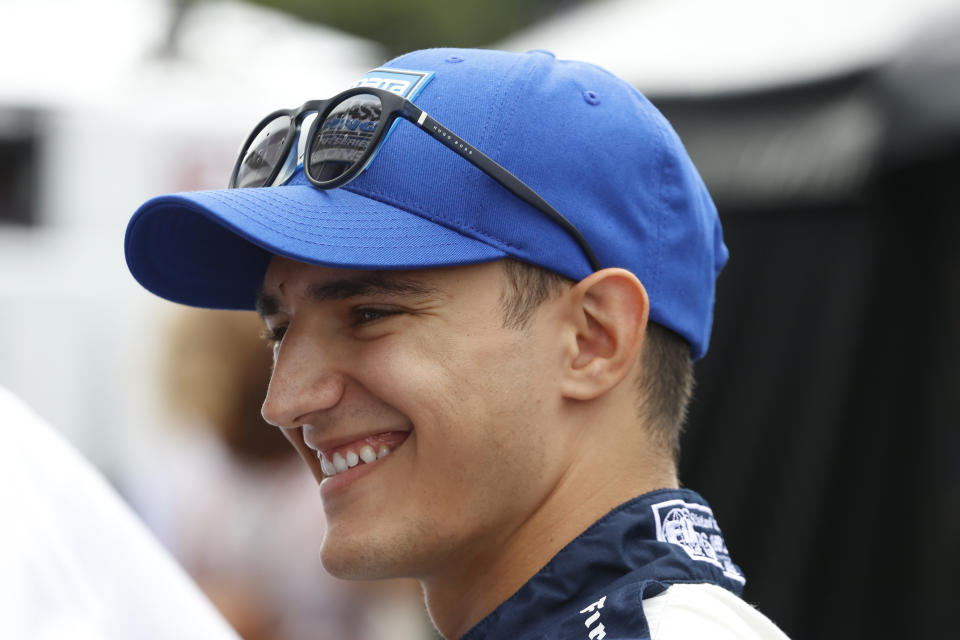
(609, 311)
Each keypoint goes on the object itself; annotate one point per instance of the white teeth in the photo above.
(326, 466)
(352, 459)
(341, 462)
(367, 454)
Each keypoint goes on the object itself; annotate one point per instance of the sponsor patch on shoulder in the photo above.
(693, 528)
(403, 82)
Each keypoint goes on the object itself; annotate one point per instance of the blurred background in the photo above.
(824, 426)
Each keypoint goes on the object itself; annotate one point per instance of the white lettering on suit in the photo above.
(598, 632)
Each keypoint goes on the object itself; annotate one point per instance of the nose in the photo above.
(305, 380)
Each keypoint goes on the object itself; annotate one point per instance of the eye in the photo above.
(275, 335)
(367, 315)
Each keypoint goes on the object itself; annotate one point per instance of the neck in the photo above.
(597, 481)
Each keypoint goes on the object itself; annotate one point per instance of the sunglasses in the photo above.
(343, 139)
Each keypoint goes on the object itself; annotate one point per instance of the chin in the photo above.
(353, 568)
(396, 549)
(361, 558)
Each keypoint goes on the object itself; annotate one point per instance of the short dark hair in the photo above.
(665, 383)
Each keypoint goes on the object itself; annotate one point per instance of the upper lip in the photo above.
(325, 444)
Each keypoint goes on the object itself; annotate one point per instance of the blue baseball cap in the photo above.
(589, 143)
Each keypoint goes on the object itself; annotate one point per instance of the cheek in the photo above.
(481, 416)
(475, 399)
(479, 460)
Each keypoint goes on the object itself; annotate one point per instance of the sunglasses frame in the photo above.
(395, 106)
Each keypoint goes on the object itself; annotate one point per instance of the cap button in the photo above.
(591, 97)
(454, 59)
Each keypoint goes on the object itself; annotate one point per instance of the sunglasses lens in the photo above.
(342, 141)
(264, 153)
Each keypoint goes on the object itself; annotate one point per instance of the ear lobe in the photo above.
(610, 318)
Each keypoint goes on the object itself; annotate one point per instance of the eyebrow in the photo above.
(352, 287)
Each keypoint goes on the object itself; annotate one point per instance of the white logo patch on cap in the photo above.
(406, 83)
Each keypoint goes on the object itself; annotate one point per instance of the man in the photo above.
(484, 360)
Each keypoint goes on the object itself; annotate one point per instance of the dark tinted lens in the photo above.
(342, 140)
(263, 154)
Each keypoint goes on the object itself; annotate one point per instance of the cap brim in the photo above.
(211, 248)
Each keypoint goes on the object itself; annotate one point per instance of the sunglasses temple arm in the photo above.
(509, 181)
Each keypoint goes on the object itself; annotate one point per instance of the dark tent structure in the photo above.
(824, 428)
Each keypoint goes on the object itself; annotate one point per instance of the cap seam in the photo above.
(300, 207)
(496, 243)
(280, 231)
(506, 114)
(661, 210)
(280, 220)
(496, 108)
(302, 219)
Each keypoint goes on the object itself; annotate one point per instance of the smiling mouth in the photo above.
(361, 452)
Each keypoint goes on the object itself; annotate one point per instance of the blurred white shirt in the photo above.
(75, 562)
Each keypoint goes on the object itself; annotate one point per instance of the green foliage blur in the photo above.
(404, 25)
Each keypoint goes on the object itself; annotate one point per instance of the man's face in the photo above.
(420, 364)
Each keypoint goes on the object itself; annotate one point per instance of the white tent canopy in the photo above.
(65, 54)
(710, 46)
